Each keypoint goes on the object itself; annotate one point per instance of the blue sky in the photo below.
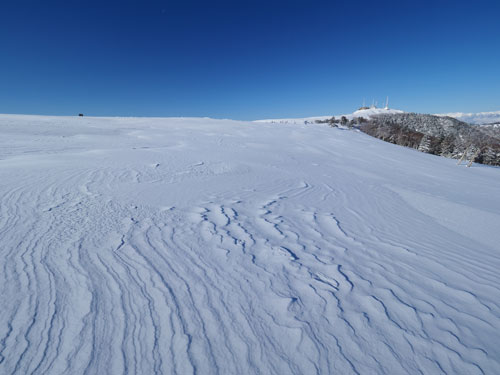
(247, 59)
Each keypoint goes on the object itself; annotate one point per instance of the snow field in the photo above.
(163, 246)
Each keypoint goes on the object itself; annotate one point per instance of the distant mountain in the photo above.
(481, 118)
(366, 113)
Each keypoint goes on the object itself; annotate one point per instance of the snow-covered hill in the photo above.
(480, 118)
(135, 245)
(366, 113)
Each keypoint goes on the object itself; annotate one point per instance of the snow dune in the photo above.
(159, 246)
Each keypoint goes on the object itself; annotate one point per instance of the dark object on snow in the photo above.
(80, 114)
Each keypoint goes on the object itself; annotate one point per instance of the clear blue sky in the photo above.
(247, 59)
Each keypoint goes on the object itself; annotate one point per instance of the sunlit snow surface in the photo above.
(160, 246)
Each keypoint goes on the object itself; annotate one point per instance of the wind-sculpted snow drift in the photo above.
(160, 246)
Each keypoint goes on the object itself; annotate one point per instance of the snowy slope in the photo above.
(186, 246)
(480, 118)
(366, 113)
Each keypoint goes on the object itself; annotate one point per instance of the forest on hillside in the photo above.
(437, 135)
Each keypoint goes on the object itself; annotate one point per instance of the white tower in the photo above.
(386, 103)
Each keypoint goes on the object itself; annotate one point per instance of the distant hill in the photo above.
(481, 118)
(366, 113)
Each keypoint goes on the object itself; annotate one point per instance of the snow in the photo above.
(183, 245)
(481, 118)
(366, 113)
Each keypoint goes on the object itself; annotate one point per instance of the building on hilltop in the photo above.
(363, 107)
(374, 105)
